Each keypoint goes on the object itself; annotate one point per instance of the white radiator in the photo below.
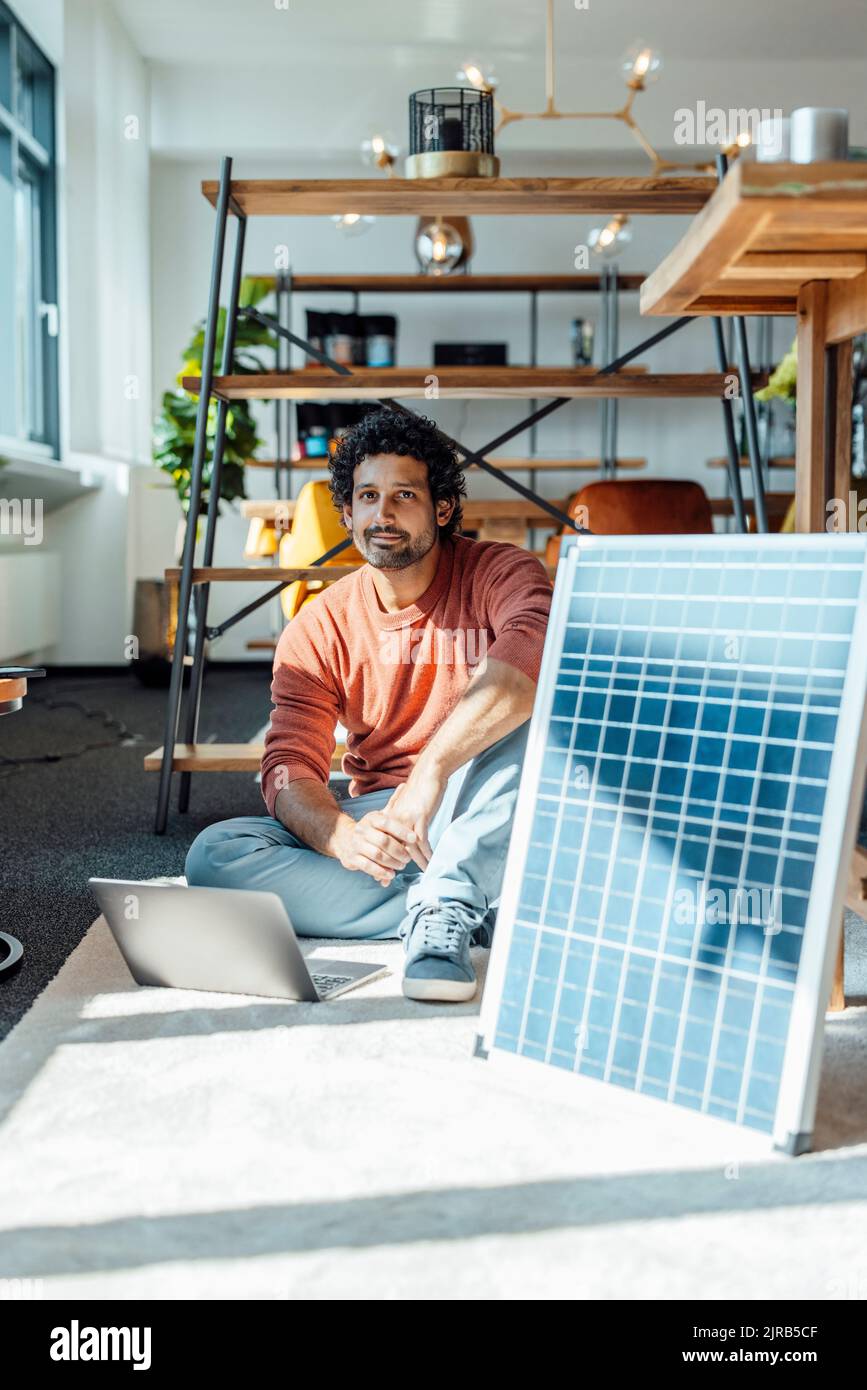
(29, 602)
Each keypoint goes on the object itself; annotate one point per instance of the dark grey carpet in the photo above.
(61, 822)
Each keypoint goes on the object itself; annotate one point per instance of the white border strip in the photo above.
(799, 1080)
(525, 810)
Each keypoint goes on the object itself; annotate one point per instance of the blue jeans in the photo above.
(469, 836)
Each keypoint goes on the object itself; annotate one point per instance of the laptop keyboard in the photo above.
(326, 983)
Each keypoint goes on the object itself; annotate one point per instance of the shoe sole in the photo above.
(442, 991)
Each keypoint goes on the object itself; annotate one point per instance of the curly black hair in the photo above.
(413, 436)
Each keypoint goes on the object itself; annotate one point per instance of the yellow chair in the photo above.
(262, 540)
(316, 527)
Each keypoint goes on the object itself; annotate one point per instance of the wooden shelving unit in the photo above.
(412, 198)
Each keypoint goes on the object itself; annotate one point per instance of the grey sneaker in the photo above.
(438, 965)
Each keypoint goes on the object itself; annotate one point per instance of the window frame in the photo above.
(29, 130)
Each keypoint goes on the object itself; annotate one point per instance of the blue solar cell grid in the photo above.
(665, 886)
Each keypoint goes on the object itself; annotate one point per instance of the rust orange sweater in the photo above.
(392, 678)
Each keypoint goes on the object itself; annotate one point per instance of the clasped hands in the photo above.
(383, 842)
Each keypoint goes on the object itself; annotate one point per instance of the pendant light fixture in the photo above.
(639, 67)
(380, 151)
(351, 224)
(607, 242)
(443, 245)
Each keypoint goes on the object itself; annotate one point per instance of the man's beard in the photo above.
(405, 552)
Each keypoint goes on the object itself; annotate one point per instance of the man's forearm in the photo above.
(497, 700)
(310, 811)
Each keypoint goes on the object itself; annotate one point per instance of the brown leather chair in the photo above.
(640, 506)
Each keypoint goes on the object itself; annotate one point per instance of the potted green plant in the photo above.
(175, 429)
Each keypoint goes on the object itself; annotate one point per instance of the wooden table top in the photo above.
(768, 230)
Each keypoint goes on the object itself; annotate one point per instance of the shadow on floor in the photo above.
(408, 1217)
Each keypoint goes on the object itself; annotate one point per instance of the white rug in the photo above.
(158, 1144)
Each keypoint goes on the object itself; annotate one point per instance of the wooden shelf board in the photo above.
(745, 463)
(797, 265)
(561, 465)
(465, 383)
(474, 510)
(451, 284)
(261, 574)
(768, 230)
(220, 757)
(511, 465)
(778, 504)
(470, 197)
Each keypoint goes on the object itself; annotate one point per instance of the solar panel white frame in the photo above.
(799, 1079)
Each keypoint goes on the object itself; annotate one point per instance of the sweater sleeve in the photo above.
(515, 595)
(300, 741)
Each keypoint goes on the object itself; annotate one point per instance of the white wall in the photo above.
(288, 101)
(107, 247)
(105, 347)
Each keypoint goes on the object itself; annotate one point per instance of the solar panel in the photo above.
(688, 805)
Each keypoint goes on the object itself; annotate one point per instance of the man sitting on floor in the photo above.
(429, 656)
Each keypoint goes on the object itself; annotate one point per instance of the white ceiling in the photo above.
(312, 79)
(421, 34)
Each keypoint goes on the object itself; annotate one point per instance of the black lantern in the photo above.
(451, 133)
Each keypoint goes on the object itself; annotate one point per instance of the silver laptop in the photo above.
(222, 939)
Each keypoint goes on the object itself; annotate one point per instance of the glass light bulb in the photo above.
(609, 241)
(438, 248)
(478, 75)
(641, 64)
(352, 223)
(379, 150)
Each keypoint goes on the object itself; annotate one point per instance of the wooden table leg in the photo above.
(810, 477)
(841, 462)
(817, 475)
(838, 994)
